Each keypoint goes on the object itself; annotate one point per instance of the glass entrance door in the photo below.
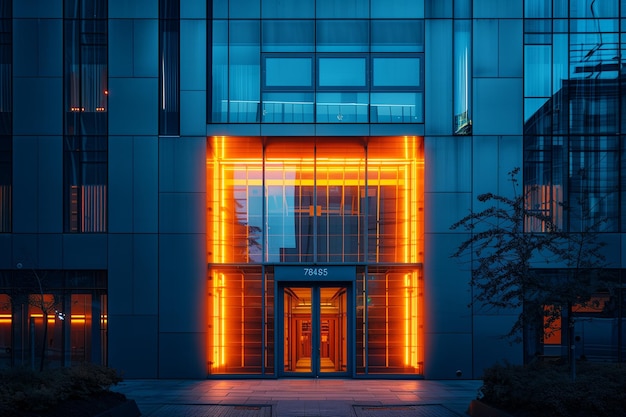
(314, 330)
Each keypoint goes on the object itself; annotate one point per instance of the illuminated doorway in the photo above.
(314, 330)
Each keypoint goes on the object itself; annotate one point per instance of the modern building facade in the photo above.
(265, 188)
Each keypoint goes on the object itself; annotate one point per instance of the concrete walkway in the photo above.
(301, 397)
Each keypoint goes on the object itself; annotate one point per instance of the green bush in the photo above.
(546, 389)
(25, 389)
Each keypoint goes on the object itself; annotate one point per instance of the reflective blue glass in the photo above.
(396, 72)
(295, 9)
(289, 72)
(463, 9)
(341, 107)
(244, 71)
(288, 107)
(538, 8)
(594, 25)
(396, 107)
(537, 70)
(288, 36)
(244, 9)
(397, 8)
(342, 72)
(345, 8)
(342, 36)
(594, 9)
(397, 36)
(219, 76)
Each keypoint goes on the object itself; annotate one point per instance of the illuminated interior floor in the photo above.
(304, 365)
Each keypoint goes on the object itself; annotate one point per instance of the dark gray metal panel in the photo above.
(133, 106)
(145, 182)
(182, 165)
(182, 283)
(50, 185)
(133, 345)
(182, 355)
(85, 251)
(121, 203)
(121, 288)
(43, 116)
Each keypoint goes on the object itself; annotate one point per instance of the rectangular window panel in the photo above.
(341, 9)
(295, 9)
(6, 181)
(288, 72)
(85, 184)
(244, 72)
(397, 36)
(85, 76)
(397, 8)
(85, 9)
(342, 72)
(169, 67)
(219, 73)
(394, 306)
(236, 300)
(396, 107)
(288, 36)
(342, 36)
(341, 107)
(396, 72)
(288, 107)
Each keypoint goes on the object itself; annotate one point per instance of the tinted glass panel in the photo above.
(288, 36)
(397, 8)
(397, 36)
(396, 72)
(285, 72)
(342, 36)
(288, 9)
(342, 72)
(344, 8)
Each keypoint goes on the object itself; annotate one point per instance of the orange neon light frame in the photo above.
(232, 166)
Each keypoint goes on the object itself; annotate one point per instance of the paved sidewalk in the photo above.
(301, 397)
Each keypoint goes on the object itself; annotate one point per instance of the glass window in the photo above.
(342, 36)
(537, 71)
(169, 59)
(342, 72)
(594, 9)
(345, 8)
(85, 77)
(75, 304)
(6, 69)
(6, 181)
(396, 72)
(245, 71)
(288, 72)
(538, 8)
(396, 107)
(288, 107)
(85, 183)
(342, 107)
(237, 320)
(397, 8)
(86, 9)
(462, 77)
(397, 36)
(243, 9)
(219, 73)
(288, 36)
(393, 319)
(288, 9)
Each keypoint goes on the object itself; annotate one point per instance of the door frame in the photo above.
(315, 286)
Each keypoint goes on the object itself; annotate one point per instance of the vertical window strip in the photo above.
(169, 67)
(85, 146)
(6, 115)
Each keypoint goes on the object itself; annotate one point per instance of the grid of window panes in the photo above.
(75, 305)
(574, 111)
(307, 61)
(85, 147)
(6, 115)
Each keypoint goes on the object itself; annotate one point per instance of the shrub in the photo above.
(25, 389)
(546, 389)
